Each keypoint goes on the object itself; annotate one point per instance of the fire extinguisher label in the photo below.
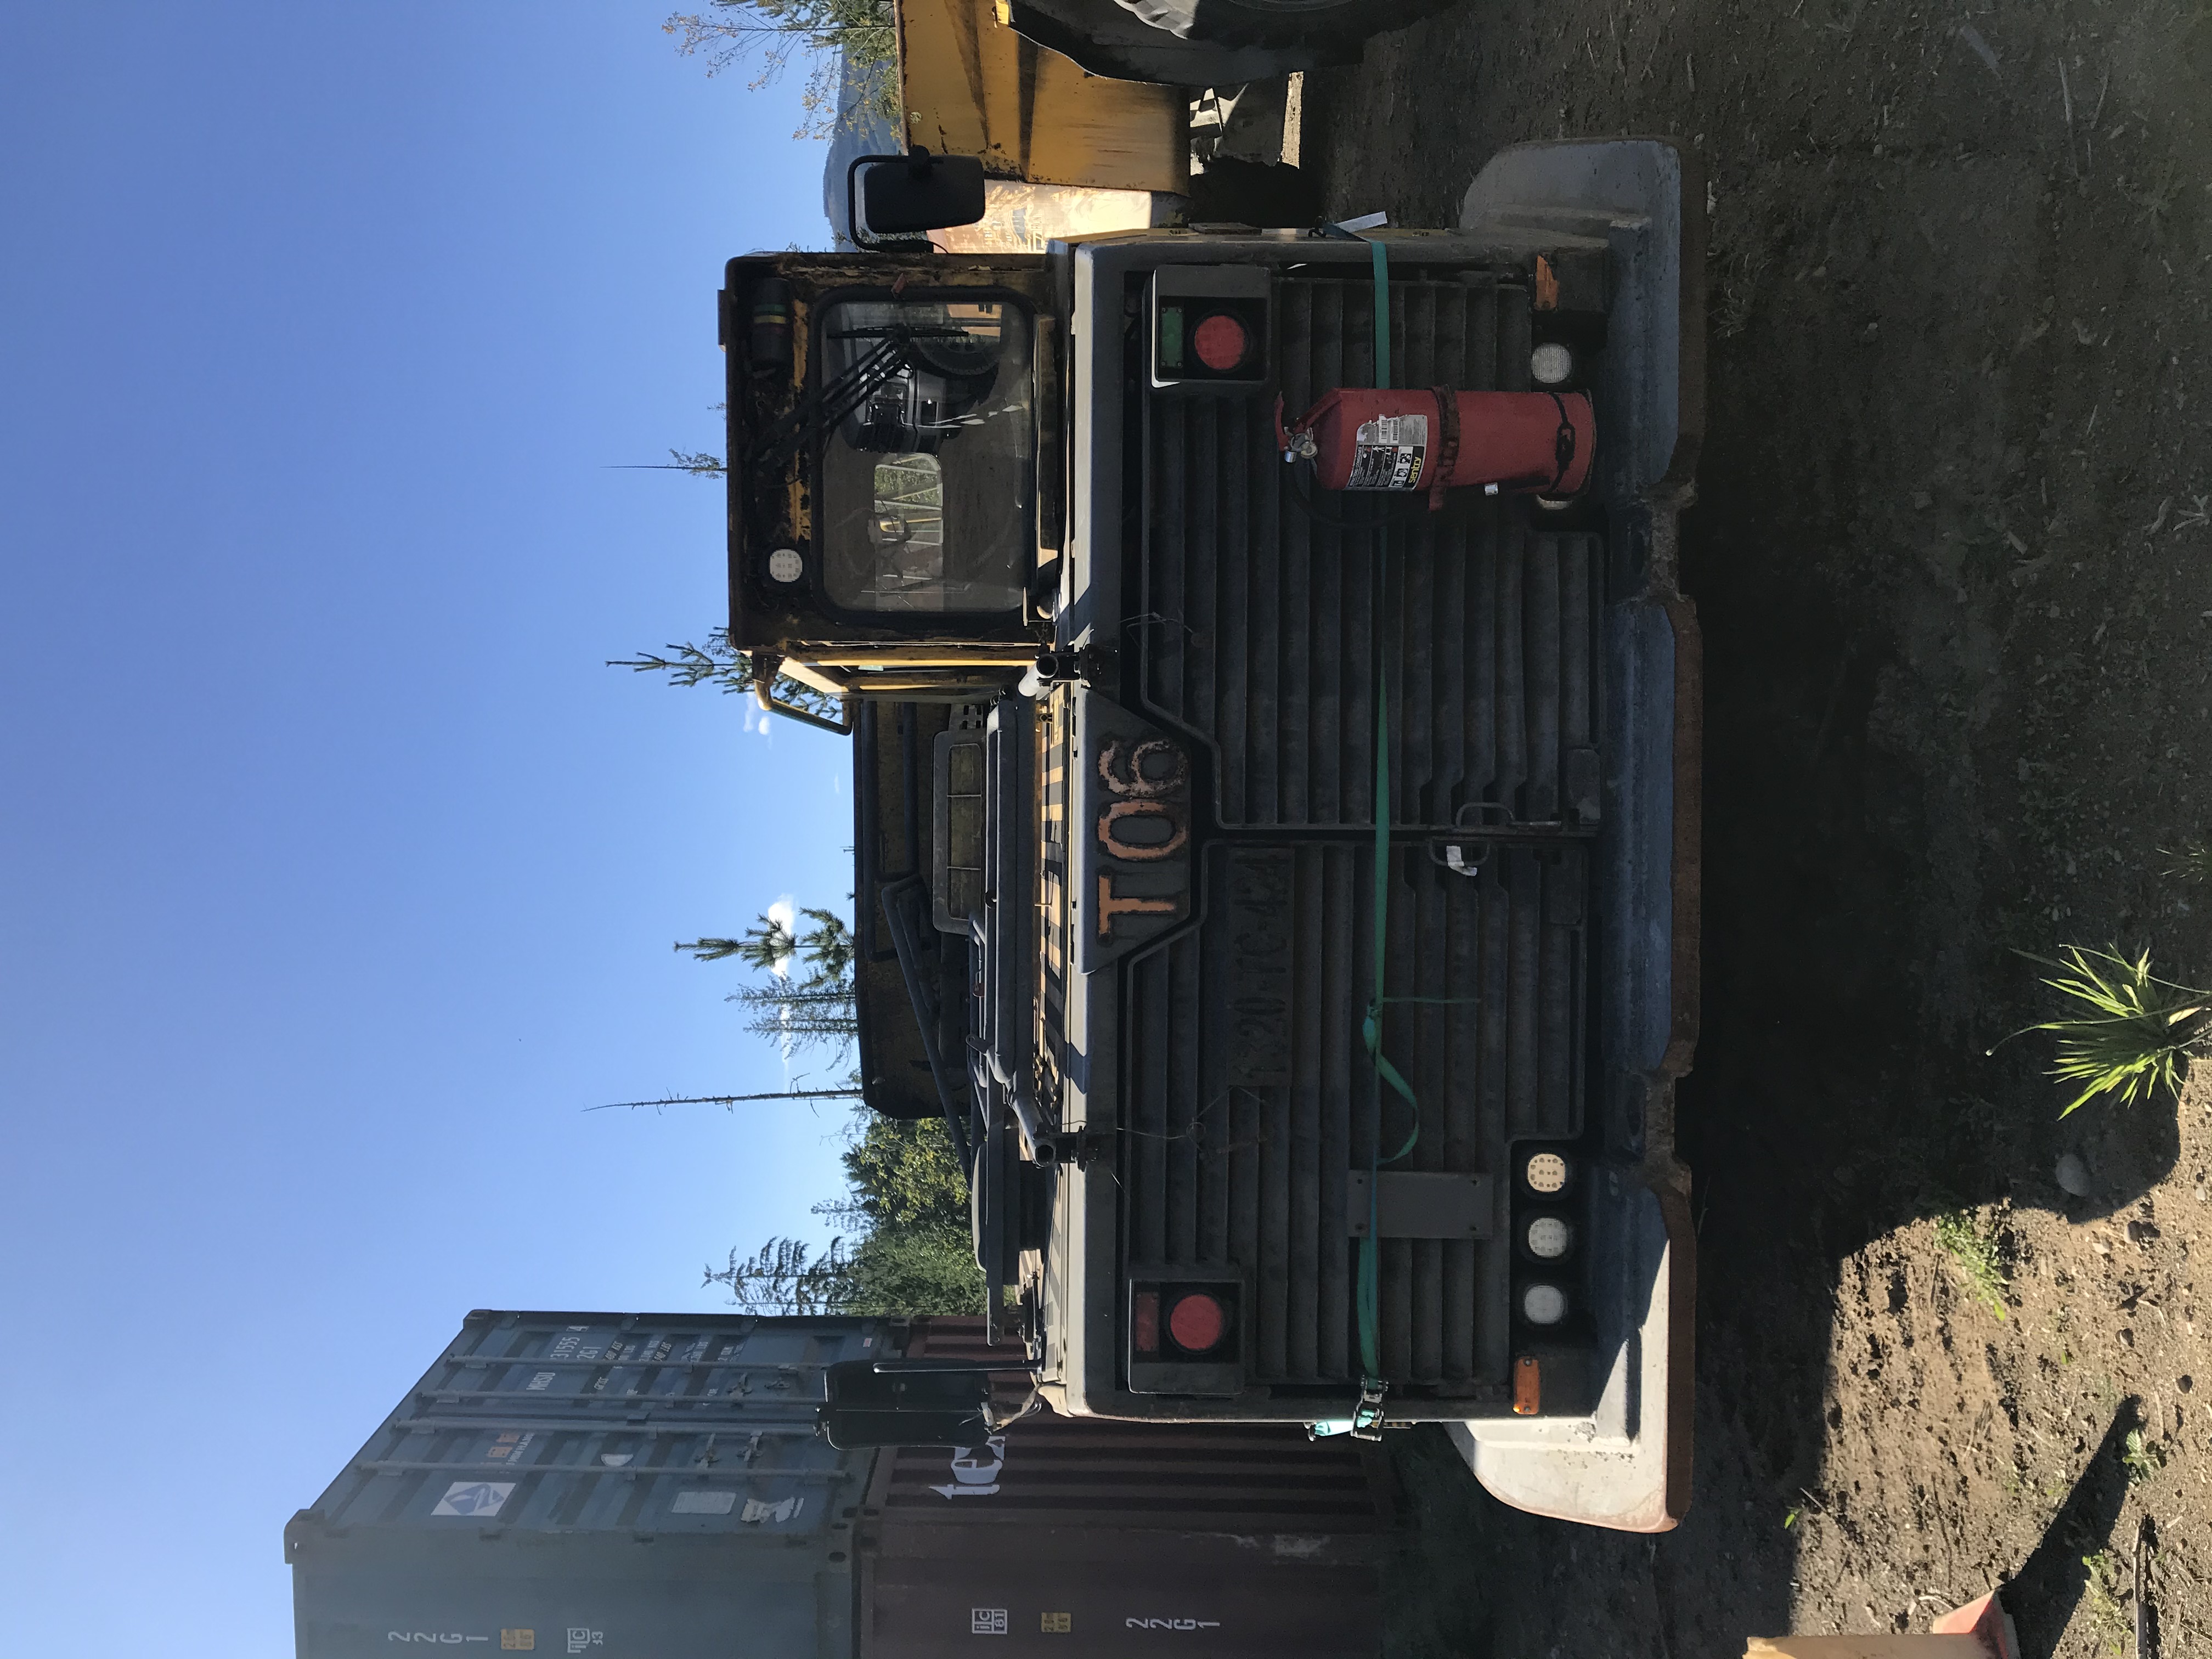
(1388, 452)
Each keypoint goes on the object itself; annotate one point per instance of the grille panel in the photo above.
(1222, 1172)
(1249, 1095)
(1258, 622)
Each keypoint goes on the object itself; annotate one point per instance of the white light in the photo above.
(1546, 1172)
(785, 564)
(1543, 1304)
(1551, 364)
(1550, 1237)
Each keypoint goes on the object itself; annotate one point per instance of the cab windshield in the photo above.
(926, 500)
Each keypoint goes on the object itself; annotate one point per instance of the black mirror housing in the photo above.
(908, 195)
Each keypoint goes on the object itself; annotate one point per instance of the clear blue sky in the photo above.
(338, 873)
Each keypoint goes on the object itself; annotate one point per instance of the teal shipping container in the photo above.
(627, 1487)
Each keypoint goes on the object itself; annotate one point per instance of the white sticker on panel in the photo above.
(1388, 452)
(704, 1503)
(478, 1497)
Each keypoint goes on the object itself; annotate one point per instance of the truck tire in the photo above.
(1329, 26)
(1271, 195)
(1110, 38)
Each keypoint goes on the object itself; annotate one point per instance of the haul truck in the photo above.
(1286, 892)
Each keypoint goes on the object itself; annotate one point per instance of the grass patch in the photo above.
(2127, 1031)
(2192, 862)
(1972, 1245)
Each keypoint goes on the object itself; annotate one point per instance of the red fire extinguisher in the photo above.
(1522, 442)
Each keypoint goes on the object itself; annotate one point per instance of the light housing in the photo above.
(1186, 1332)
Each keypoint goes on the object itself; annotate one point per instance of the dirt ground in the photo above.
(1955, 567)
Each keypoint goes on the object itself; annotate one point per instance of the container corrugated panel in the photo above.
(621, 1485)
(1076, 1537)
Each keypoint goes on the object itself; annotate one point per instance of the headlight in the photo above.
(1543, 1304)
(1550, 1237)
(1546, 1173)
(1551, 364)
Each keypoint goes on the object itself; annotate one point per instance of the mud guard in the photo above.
(1626, 1465)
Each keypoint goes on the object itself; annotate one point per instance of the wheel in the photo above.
(1269, 196)
(1324, 25)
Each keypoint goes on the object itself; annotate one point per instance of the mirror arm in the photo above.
(842, 726)
(767, 664)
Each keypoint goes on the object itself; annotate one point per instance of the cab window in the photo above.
(927, 500)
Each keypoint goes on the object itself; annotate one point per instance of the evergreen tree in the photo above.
(796, 1016)
(908, 1249)
(718, 663)
(794, 1013)
(911, 1253)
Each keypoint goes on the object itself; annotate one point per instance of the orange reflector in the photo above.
(1145, 1322)
(1528, 1386)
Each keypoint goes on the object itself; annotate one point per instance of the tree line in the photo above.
(903, 1245)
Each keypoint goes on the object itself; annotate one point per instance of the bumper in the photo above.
(1626, 1464)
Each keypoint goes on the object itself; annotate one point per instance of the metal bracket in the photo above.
(1419, 1204)
(1367, 1415)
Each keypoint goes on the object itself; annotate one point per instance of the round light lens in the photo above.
(1550, 1237)
(1196, 1322)
(1551, 364)
(1546, 1172)
(1543, 1304)
(785, 564)
(1220, 343)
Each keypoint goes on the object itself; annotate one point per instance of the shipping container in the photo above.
(615, 1485)
(1079, 1538)
(656, 1487)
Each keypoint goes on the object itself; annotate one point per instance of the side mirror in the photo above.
(908, 195)
(866, 1409)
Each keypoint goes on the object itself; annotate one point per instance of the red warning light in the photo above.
(1197, 1321)
(1221, 343)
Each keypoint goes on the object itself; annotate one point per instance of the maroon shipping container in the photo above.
(1067, 1538)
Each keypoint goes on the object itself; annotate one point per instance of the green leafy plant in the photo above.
(2142, 1458)
(1973, 1246)
(2130, 1033)
(2102, 1599)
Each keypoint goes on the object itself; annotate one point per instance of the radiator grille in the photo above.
(1258, 622)
(1249, 1095)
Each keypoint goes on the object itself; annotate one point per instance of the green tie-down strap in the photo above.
(1367, 1417)
(1366, 1420)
